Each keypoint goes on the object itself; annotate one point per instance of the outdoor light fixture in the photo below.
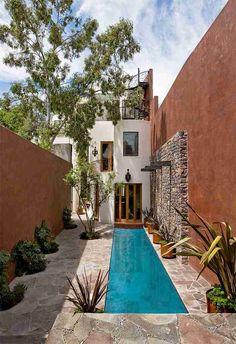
(127, 176)
(95, 152)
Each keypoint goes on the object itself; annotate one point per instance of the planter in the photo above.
(145, 222)
(149, 227)
(156, 238)
(212, 307)
(165, 248)
(80, 211)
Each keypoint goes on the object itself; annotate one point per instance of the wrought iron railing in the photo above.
(140, 79)
(138, 112)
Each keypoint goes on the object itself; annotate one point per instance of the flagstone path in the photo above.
(45, 308)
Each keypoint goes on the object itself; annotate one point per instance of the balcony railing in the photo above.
(140, 79)
(139, 112)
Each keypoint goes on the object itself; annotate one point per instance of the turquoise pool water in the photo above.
(138, 281)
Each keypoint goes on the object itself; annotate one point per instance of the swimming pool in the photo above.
(138, 281)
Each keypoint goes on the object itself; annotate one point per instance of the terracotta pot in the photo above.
(156, 238)
(149, 227)
(145, 221)
(165, 249)
(80, 211)
(212, 307)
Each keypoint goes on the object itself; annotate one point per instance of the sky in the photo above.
(167, 30)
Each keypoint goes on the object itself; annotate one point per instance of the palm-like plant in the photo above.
(217, 251)
(85, 297)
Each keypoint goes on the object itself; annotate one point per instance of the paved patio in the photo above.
(143, 329)
(184, 277)
(30, 321)
(44, 306)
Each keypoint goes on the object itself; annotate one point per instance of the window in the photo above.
(106, 156)
(130, 143)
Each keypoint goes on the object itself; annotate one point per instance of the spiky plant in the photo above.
(86, 296)
(216, 252)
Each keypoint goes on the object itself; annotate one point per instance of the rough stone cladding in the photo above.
(170, 185)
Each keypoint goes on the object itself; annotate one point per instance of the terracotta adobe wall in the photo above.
(202, 102)
(31, 189)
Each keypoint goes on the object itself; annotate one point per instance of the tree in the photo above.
(45, 38)
(15, 120)
(93, 179)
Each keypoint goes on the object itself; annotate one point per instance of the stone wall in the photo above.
(169, 185)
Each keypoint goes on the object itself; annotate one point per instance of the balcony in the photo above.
(139, 112)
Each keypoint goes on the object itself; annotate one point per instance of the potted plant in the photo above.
(156, 233)
(147, 213)
(167, 242)
(217, 253)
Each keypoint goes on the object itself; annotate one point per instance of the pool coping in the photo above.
(191, 290)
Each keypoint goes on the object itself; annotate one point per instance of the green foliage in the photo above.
(28, 258)
(68, 223)
(93, 179)
(216, 252)
(44, 37)
(4, 259)
(16, 121)
(167, 234)
(219, 298)
(89, 235)
(8, 298)
(86, 297)
(44, 239)
(148, 214)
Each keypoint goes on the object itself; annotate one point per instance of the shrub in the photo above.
(8, 297)
(89, 235)
(44, 239)
(28, 258)
(86, 297)
(219, 298)
(217, 251)
(67, 221)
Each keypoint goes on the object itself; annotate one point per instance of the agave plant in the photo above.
(86, 298)
(217, 251)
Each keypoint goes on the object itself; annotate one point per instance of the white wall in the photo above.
(106, 131)
(134, 163)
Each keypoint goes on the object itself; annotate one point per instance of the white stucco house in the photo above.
(124, 148)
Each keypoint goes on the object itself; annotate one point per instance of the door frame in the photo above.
(127, 220)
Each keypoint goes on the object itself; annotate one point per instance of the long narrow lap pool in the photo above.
(138, 282)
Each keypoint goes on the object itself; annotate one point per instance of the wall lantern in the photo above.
(95, 152)
(127, 176)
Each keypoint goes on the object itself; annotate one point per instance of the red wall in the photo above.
(31, 189)
(202, 101)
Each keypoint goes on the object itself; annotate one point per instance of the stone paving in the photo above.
(31, 320)
(184, 277)
(45, 307)
(143, 329)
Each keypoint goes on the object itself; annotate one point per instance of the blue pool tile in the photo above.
(138, 281)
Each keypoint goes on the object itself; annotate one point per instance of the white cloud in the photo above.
(7, 73)
(168, 31)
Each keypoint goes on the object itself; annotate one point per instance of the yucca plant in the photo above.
(86, 297)
(216, 252)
